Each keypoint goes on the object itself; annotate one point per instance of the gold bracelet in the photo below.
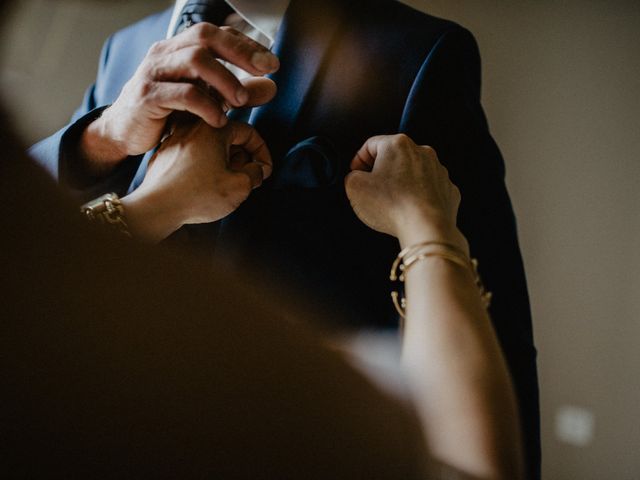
(407, 256)
(413, 254)
(107, 210)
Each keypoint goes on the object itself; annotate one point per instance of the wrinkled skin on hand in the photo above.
(183, 74)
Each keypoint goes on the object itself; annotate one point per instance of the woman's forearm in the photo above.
(459, 379)
(457, 373)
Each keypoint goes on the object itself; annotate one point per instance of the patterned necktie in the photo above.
(196, 11)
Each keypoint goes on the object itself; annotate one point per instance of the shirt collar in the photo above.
(264, 15)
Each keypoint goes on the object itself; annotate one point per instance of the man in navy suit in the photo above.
(347, 71)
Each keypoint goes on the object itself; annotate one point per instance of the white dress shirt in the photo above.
(257, 19)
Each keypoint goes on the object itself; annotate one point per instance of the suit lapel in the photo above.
(303, 43)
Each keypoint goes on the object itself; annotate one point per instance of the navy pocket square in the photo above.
(312, 163)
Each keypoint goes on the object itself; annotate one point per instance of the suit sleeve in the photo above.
(444, 111)
(58, 154)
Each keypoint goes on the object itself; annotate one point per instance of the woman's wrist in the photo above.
(420, 229)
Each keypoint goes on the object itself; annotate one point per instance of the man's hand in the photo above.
(179, 74)
(400, 188)
(199, 175)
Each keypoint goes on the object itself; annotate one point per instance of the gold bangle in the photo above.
(407, 256)
(413, 254)
(107, 210)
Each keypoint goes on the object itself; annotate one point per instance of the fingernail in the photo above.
(242, 96)
(265, 61)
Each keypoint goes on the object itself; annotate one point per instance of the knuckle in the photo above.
(153, 71)
(203, 31)
(157, 47)
(146, 68)
(145, 90)
(429, 150)
(197, 56)
(401, 140)
(189, 93)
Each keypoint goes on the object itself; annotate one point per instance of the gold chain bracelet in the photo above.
(415, 253)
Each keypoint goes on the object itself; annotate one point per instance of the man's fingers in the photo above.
(239, 50)
(197, 64)
(190, 98)
(261, 90)
(226, 44)
(192, 55)
(249, 139)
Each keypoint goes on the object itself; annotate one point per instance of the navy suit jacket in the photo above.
(349, 70)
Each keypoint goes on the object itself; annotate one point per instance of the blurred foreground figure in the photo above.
(120, 362)
(347, 70)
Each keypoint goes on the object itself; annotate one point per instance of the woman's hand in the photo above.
(457, 375)
(199, 175)
(400, 188)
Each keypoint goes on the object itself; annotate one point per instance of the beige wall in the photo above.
(51, 54)
(562, 93)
